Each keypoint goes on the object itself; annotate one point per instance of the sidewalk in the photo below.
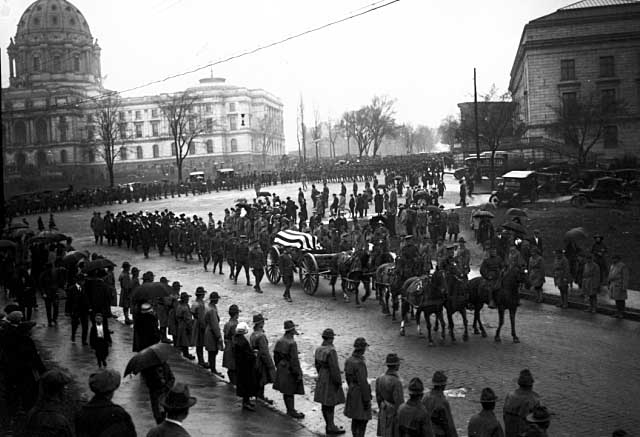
(218, 411)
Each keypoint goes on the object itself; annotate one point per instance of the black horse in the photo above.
(478, 298)
(456, 301)
(352, 269)
(507, 297)
(384, 279)
(427, 295)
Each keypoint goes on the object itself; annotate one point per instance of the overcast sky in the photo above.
(420, 52)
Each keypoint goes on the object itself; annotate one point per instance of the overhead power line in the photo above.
(234, 57)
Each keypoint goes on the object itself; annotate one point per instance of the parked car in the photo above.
(552, 184)
(586, 178)
(604, 190)
(516, 187)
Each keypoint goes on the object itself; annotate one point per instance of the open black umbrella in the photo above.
(515, 227)
(378, 219)
(154, 355)
(19, 232)
(48, 237)
(150, 292)
(71, 259)
(421, 194)
(264, 194)
(516, 212)
(100, 263)
(576, 234)
(483, 213)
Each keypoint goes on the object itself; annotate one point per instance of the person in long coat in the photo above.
(485, 423)
(618, 284)
(329, 383)
(288, 372)
(562, 277)
(358, 403)
(246, 384)
(145, 328)
(413, 419)
(389, 396)
(536, 272)
(265, 368)
(125, 291)
(518, 404)
(228, 362)
(213, 341)
(170, 304)
(184, 326)
(591, 282)
(438, 408)
(199, 327)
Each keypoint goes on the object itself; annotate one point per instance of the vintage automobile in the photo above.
(604, 190)
(585, 178)
(515, 187)
(631, 178)
(224, 177)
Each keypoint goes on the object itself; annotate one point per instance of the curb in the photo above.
(606, 309)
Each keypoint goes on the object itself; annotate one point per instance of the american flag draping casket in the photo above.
(298, 240)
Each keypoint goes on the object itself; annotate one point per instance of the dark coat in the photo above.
(288, 372)
(358, 404)
(184, 326)
(246, 384)
(145, 331)
(329, 383)
(212, 334)
(516, 407)
(158, 378)
(389, 396)
(77, 300)
(197, 333)
(440, 412)
(228, 360)
(413, 420)
(485, 424)
(48, 419)
(266, 370)
(100, 345)
(168, 429)
(99, 294)
(101, 417)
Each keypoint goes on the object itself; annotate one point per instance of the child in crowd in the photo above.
(100, 341)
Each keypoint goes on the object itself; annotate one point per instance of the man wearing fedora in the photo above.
(438, 408)
(212, 335)
(389, 395)
(176, 405)
(358, 403)
(329, 383)
(197, 333)
(288, 372)
(538, 422)
(413, 419)
(100, 416)
(485, 423)
(265, 369)
(518, 404)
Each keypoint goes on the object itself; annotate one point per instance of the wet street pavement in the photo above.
(587, 367)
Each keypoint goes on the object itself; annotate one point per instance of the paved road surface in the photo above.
(587, 368)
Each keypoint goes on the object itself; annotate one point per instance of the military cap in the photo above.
(539, 414)
(360, 343)
(200, 291)
(526, 378)
(416, 387)
(257, 318)
(214, 295)
(328, 333)
(488, 395)
(392, 360)
(439, 378)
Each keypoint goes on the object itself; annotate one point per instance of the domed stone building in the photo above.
(48, 124)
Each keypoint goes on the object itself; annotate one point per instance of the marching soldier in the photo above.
(230, 254)
(204, 246)
(286, 270)
(217, 250)
(242, 258)
(257, 262)
(490, 270)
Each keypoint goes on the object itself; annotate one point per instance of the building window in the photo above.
(234, 145)
(608, 100)
(123, 130)
(76, 64)
(209, 146)
(173, 149)
(567, 69)
(123, 153)
(139, 154)
(91, 156)
(138, 130)
(610, 136)
(63, 157)
(90, 133)
(156, 151)
(209, 124)
(607, 66)
(232, 107)
(207, 108)
(192, 148)
(154, 113)
(155, 128)
(57, 64)
(233, 122)
(20, 133)
(122, 116)
(569, 103)
(36, 63)
(54, 20)
(138, 115)
(62, 128)
(41, 131)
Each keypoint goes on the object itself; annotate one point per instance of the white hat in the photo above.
(242, 328)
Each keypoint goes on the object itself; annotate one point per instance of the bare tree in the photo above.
(380, 120)
(361, 131)
(185, 124)
(450, 131)
(347, 124)
(266, 135)
(333, 131)
(408, 136)
(111, 133)
(301, 132)
(316, 131)
(582, 122)
(424, 138)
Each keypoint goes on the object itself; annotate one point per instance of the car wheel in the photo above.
(494, 200)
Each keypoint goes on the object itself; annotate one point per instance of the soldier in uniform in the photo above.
(257, 263)
(438, 408)
(599, 251)
(413, 419)
(217, 250)
(329, 384)
(288, 372)
(490, 270)
(199, 326)
(389, 396)
(204, 248)
(538, 421)
(409, 263)
(242, 258)
(519, 404)
(463, 257)
(358, 403)
(286, 270)
(230, 254)
(485, 423)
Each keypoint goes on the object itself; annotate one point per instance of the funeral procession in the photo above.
(266, 219)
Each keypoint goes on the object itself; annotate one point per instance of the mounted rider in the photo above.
(463, 257)
(408, 264)
(490, 270)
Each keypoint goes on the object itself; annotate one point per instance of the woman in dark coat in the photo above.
(184, 325)
(245, 360)
(228, 361)
(145, 328)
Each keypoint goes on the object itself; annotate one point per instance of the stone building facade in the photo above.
(589, 49)
(48, 125)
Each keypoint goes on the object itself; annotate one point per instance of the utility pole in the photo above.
(477, 133)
